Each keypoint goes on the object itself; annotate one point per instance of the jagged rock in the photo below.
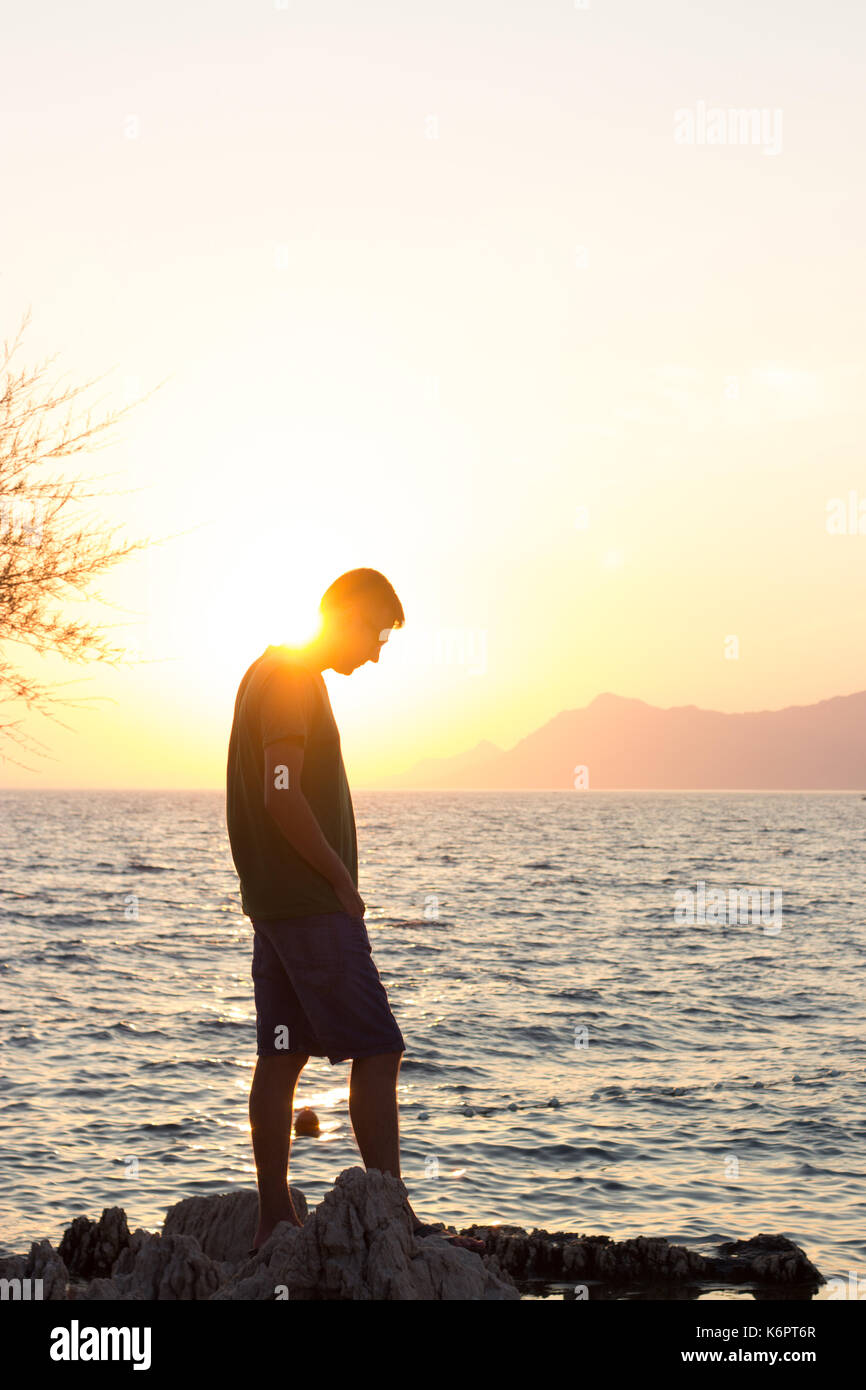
(565, 1256)
(645, 1258)
(42, 1262)
(99, 1291)
(45, 1263)
(12, 1266)
(165, 1267)
(224, 1225)
(89, 1249)
(772, 1259)
(358, 1244)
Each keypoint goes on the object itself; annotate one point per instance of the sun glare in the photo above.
(221, 615)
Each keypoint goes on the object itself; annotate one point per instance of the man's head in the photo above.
(358, 612)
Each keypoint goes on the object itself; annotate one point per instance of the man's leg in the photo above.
(373, 1110)
(271, 1098)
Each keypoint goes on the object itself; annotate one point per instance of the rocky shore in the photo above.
(358, 1244)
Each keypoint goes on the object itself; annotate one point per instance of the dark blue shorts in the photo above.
(318, 991)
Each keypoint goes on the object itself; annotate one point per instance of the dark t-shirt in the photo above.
(279, 698)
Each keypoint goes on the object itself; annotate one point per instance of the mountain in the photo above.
(628, 743)
(436, 772)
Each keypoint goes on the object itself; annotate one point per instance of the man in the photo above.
(292, 831)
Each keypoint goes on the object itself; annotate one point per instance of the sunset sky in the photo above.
(424, 281)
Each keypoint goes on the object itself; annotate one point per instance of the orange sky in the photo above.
(425, 284)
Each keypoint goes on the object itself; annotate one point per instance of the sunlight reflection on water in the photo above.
(719, 1088)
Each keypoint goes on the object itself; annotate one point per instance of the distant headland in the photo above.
(616, 742)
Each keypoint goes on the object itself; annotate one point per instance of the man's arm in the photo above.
(291, 811)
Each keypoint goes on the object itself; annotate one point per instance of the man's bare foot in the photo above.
(266, 1229)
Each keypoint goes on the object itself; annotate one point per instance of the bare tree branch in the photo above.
(49, 554)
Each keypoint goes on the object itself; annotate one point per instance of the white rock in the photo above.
(165, 1267)
(224, 1225)
(42, 1262)
(358, 1245)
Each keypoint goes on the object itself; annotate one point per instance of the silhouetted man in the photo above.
(292, 831)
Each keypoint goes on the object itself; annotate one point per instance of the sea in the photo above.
(625, 1013)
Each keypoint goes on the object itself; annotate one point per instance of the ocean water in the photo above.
(710, 1074)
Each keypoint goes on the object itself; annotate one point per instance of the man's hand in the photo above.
(351, 899)
(291, 811)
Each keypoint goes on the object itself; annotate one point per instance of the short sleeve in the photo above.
(287, 705)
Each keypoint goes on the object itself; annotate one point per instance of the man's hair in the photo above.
(366, 585)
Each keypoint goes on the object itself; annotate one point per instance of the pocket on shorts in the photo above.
(356, 935)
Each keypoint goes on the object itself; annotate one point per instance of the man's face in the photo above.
(364, 630)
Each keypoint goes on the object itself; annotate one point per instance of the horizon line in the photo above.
(713, 791)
